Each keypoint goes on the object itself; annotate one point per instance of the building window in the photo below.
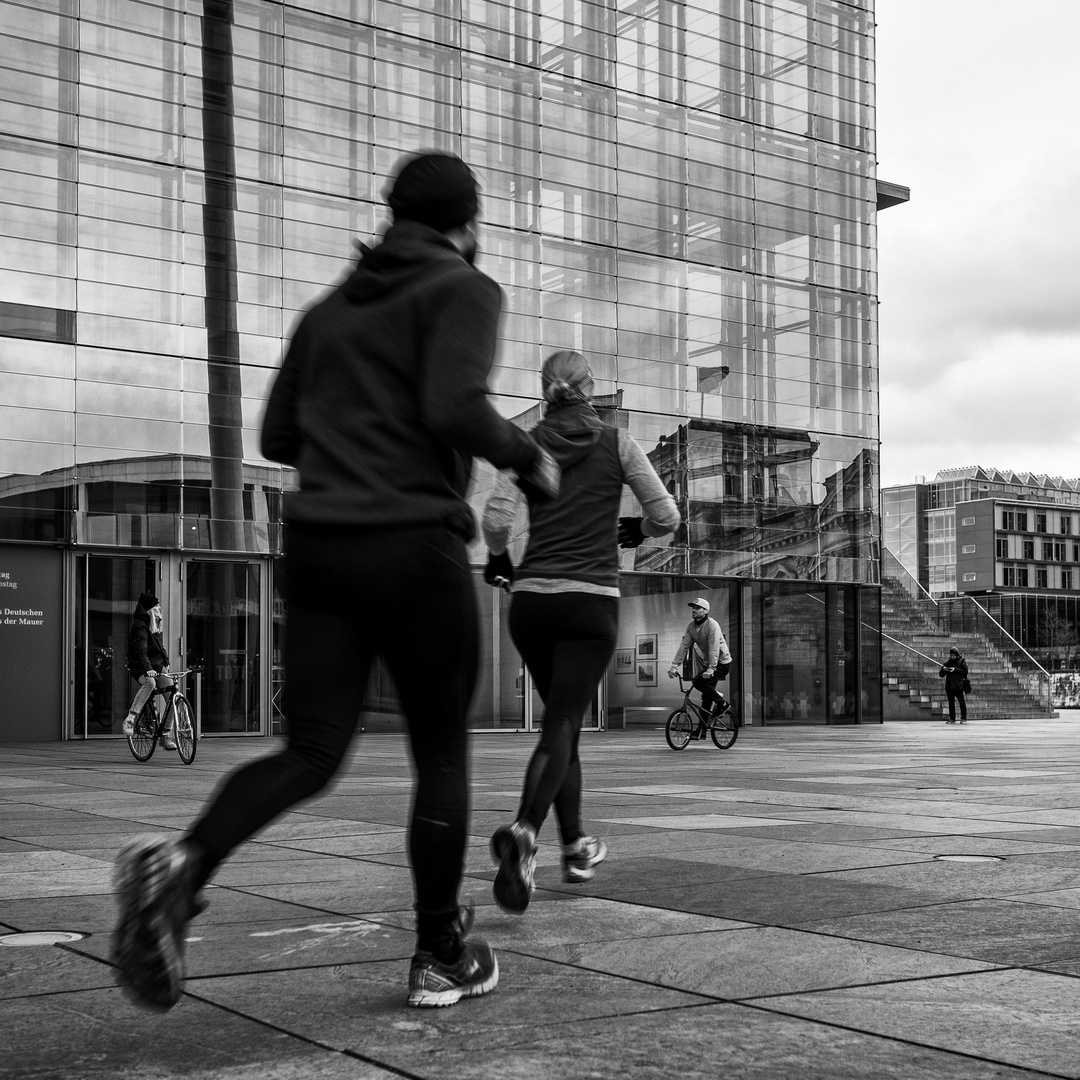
(1040, 523)
(1040, 577)
(1029, 550)
(1076, 552)
(1008, 520)
(1066, 579)
(1059, 551)
(1047, 550)
(1001, 546)
(1021, 521)
(970, 577)
(1066, 524)
(967, 521)
(968, 549)
(1021, 577)
(1008, 577)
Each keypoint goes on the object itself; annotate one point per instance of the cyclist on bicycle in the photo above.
(147, 661)
(711, 658)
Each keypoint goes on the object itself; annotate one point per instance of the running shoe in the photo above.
(168, 741)
(578, 865)
(433, 983)
(153, 880)
(514, 851)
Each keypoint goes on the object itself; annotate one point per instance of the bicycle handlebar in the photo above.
(176, 676)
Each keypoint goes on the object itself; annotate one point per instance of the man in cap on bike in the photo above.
(704, 642)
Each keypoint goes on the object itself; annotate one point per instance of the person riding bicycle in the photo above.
(704, 642)
(147, 661)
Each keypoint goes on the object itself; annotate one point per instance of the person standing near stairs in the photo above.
(955, 672)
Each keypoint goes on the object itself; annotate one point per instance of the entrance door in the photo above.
(107, 590)
(223, 601)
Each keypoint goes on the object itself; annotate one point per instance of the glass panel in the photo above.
(499, 703)
(794, 655)
(222, 642)
(870, 655)
(103, 685)
(653, 616)
(278, 719)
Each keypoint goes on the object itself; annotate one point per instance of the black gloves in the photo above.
(630, 534)
(499, 569)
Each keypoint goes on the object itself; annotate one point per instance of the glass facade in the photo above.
(684, 190)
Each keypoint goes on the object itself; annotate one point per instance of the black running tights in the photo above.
(567, 640)
(408, 596)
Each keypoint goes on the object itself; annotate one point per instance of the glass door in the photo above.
(107, 590)
(222, 608)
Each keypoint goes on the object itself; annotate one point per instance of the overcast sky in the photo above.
(978, 111)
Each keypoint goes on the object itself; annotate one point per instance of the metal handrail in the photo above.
(973, 618)
(1005, 633)
(907, 579)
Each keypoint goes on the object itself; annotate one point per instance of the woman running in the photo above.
(564, 612)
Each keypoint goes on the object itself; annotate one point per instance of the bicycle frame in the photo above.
(703, 715)
(723, 727)
(172, 718)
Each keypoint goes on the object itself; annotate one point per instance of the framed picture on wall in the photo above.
(646, 646)
(646, 673)
(624, 661)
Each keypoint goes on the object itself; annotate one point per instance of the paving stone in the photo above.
(98, 1035)
(804, 931)
(997, 931)
(1023, 1018)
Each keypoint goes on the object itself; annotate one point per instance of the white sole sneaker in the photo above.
(581, 866)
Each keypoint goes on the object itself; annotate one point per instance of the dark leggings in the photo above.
(352, 594)
(954, 696)
(710, 696)
(567, 640)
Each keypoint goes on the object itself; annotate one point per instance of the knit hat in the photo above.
(566, 378)
(436, 189)
(148, 601)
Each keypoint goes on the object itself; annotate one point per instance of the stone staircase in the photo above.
(913, 688)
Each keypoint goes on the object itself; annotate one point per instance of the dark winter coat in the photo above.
(145, 649)
(954, 672)
(381, 402)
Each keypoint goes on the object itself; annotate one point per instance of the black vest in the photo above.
(575, 535)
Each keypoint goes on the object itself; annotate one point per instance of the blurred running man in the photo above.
(381, 403)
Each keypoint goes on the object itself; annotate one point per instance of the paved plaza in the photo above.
(880, 901)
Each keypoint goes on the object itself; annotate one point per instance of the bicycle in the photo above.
(690, 716)
(149, 727)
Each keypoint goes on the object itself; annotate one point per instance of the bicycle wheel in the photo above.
(725, 729)
(143, 739)
(678, 728)
(184, 729)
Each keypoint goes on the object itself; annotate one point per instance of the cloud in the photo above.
(979, 317)
(1011, 403)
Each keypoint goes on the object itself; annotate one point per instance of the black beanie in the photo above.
(436, 189)
(148, 601)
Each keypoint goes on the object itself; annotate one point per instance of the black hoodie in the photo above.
(381, 402)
